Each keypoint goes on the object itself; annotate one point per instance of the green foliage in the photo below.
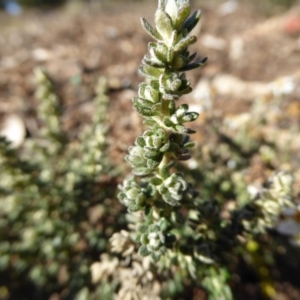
(215, 283)
(181, 230)
(52, 202)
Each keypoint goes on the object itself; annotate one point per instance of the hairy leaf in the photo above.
(150, 30)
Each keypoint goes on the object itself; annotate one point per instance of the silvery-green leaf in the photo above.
(174, 191)
(161, 237)
(183, 182)
(156, 181)
(135, 100)
(155, 256)
(154, 228)
(151, 72)
(164, 25)
(143, 228)
(185, 43)
(159, 50)
(171, 9)
(160, 132)
(189, 145)
(141, 141)
(146, 103)
(172, 107)
(143, 251)
(181, 110)
(149, 122)
(164, 172)
(141, 91)
(133, 208)
(151, 61)
(173, 39)
(154, 84)
(170, 97)
(192, 21)
(157, 141)
(189, 117)
(177, 197)
(147, 133)
(137, 104)
(135, 151)
(163, 224)
(150, 150)
(165, 147)
(178, 62)
(151, 163)
(170, 55)
(175, 85)
(140, 200)
(156, 109)
(162, 4)
(151, 154)
(157, 55)
(151, 31)
(149, 141)
(163, 81)
(142, 171)
(162, 189)
(151, 94)
(170, 200)
(181, 129)
(121, 196)
(144, 111)
(135, 161)
(132, 193)
(182, 14)
(168, 122)
(174, 119)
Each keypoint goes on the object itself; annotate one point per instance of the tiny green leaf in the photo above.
(156, 181)
(143, 250)
(150, 30)
(182, 14)
(165, 147)
(142, 171)
(184, 43)
(163, 25)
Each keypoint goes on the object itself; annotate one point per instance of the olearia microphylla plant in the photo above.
(158, 190)
(170, 222)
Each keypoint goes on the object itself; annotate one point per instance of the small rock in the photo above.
(228, 7)
(213, 42)
(41, 54)
(236, 48)
(232, 86)
(13, 129)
